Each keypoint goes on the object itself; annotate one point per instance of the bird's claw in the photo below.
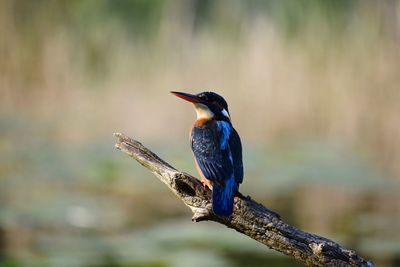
(207, 183)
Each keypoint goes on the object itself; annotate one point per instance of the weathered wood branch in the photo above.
(249, 217)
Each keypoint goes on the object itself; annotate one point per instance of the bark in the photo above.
(249, 217)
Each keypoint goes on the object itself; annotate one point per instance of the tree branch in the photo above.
(249, 217)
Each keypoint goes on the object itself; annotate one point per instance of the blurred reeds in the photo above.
(298, 70)
(293, 72)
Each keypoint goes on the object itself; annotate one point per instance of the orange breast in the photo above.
(200, 122)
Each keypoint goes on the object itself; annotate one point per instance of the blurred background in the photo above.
(313, 88)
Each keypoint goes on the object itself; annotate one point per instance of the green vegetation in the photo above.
(312, 87)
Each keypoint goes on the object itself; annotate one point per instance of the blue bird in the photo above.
(216, 148)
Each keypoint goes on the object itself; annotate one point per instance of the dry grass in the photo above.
(319, 85)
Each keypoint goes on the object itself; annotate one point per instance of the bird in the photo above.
(217, 149)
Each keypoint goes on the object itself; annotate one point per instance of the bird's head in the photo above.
(207, 105)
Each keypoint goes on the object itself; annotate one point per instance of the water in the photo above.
(91, 205)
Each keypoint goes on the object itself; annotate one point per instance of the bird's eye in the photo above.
(205, 98)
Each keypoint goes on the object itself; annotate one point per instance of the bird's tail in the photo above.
(222, 197)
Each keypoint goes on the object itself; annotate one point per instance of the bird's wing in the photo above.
(236, 149)
(213, 159)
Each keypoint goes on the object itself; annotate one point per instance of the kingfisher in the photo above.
(217, 149)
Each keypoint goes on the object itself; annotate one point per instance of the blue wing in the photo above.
(217, 149)
(213, 159)
(236, 149)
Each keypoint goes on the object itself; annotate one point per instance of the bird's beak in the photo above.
(188, 97)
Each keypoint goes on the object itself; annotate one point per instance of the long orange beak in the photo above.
(188, 97)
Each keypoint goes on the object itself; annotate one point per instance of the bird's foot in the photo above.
(207, 183)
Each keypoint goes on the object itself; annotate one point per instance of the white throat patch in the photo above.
(203, 112)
